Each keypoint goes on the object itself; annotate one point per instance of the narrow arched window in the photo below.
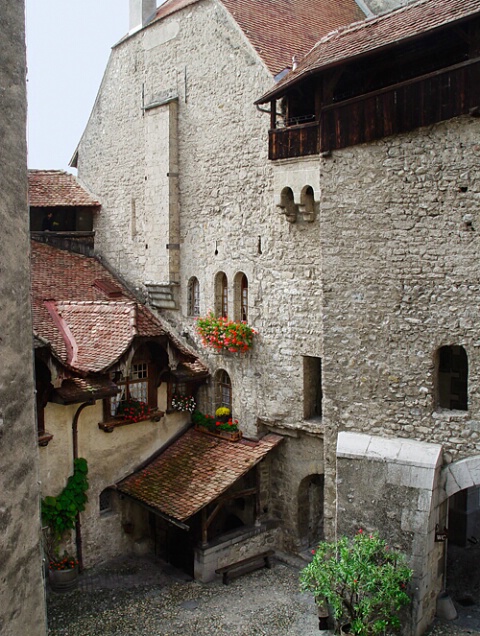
(221, 294)
(452, 378)
(193, 308)
(241, 297)
(223, 390)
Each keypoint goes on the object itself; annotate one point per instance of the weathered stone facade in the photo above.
(22, 600)
(186, 86)
(399, 239)
(228, 218)
(360, 264)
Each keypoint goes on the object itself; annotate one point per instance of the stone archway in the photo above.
(462, 496)
(461, 475)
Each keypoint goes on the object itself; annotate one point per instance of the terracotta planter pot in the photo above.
(232, 436)
(63, 580)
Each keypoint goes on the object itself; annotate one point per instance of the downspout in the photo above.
(78, 528)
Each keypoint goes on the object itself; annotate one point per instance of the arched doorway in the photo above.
(310, 510)
(463, 547)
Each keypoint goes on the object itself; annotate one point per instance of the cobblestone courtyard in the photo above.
(140, 597)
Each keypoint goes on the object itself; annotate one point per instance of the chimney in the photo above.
(140, 13)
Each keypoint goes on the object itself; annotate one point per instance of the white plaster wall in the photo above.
(110, 457)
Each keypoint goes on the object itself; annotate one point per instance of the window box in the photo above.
(116, 422)
(232, 436)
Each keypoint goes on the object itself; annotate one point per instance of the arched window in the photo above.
(241, 297)
(223, 390)
(221, 294)
(193, 308)
(452, 378)
(308, 203)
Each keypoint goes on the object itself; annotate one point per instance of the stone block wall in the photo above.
(226, 198)
(401, 280)
(392, 486)
(22, 601)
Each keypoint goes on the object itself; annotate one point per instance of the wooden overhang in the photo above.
(76, 390)
(194, 471)
(414, 67)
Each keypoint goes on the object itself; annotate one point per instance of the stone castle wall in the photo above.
(22, 602)
(226, 198)
(400, 237)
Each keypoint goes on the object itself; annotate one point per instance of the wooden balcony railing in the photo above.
(421, 101)
(293, 141)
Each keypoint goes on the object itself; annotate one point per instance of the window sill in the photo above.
(44, 438)
(451, 414)
(110, 425)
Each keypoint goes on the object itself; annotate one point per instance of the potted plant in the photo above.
(183, 403)
(226, 428)
(133, 410)
(222, 414)
(223, 334)
(362, 581)
(59, 515)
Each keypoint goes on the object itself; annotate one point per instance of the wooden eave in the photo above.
(287, 84)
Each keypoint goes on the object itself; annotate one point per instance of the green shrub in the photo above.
(362, 581)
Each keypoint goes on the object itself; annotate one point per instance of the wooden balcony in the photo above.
(293, 141)
(418, 102)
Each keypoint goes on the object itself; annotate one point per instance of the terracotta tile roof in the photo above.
(75, 390)
(95, 333)
(193, 471)
(376, 34)
(280, 29)
(88, 329)
(53, 188)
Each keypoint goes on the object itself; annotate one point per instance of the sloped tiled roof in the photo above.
(55, 188)
(376, 34)
(87, 330)
(193, 471)
(280, 29)
(75, 390)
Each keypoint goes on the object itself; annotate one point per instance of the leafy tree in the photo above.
(362, 581)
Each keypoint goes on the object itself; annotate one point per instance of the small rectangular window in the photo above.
(312, 387)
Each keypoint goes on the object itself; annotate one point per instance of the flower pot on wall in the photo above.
(232, 436)
(63, 580)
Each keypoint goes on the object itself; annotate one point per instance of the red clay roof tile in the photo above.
(87, 329)
(53, 188)
(280, 29)
(193, 471)
(375, 34)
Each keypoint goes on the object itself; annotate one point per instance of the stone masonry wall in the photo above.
(383, 6)
(22, 602)
(401, 279)
(228, 218)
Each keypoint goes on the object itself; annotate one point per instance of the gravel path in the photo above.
(136, 597)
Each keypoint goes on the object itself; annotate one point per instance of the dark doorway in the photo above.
(310, 510)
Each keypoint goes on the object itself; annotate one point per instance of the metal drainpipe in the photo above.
(78, 528)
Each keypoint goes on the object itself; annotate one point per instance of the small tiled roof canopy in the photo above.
(193, 471)
(57, 188)
(87, 316)
(376, 34)
(280, 29)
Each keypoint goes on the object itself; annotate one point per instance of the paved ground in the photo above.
(138, 597)
(142, 597)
